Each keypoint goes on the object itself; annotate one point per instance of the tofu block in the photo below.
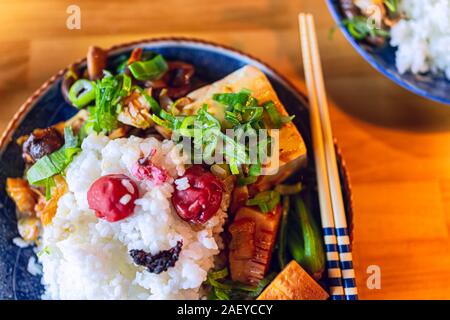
(293, 283)
(292, 149)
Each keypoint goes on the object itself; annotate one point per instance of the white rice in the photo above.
(423, 37)
(33, 267)
(182, 184)
(89, 257)
(18, 241)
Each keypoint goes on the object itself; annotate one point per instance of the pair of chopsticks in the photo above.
(339, 256)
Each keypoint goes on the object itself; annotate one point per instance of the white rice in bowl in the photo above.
(88, 258)
(423, 37)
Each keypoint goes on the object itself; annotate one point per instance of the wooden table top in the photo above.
(396, 144)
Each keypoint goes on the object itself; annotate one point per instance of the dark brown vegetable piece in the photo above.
(159, 262)
(177, 80)
(96, 62)
(41, 142)
(135, 55)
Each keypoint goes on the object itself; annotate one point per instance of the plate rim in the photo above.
(18, 117)
(334, 11)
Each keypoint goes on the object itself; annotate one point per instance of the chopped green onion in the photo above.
(150, 69)
(282, 238)
(243, 181)
(233, 99)
(219, 274)
(275, 118)
(160, 121)
(266, 201)
(360, 29)
(392, 5)
(305, 240)
(226, 289)
(82, 92)
(221, 294)
(255, 170)
(261, 285)
(44, 169)
(186, 129)
(49, 184)
(46, 250)
(234, 168)
(154, 105)
(126, 85)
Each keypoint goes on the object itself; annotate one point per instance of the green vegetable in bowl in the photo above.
(392, 5)
(360, 29)
(82, 92)
(305, 239)
(42, 172)
(150, 69)
(266, 200)
(282, 236)
(224, 289)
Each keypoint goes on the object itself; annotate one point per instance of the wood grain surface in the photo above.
(396, 144)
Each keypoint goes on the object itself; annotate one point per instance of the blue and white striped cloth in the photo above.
(339, 264)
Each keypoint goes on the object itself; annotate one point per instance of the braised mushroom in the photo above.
(41, 142)
(96, 62)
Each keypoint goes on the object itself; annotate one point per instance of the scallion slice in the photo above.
(266, 200)
(54, 163)
(243, 181)
(82, 92)
(255, 170)
(150, 69)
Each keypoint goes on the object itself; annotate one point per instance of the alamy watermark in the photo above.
(374, 279)
(73, 21)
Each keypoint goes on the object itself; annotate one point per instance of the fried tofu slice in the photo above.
(293, 283)
(292, 149)
(22, 194)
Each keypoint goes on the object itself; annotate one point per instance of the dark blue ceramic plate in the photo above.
(47, 106)
(433, 87)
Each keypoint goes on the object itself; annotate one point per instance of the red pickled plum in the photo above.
(112, 197)
(201, 200)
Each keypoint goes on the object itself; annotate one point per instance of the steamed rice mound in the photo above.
(423, 38)
(88, 258)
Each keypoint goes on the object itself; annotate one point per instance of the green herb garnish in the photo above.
(150, 69)
(392, 5)
(46, 250)
(42, 172)
(82, 92)
(108, 94)
(360, 29)
(282, 237)
(305, 240)
(223, 289)
(266, 200)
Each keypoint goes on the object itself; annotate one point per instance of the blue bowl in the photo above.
(430, 86)
(47, 106)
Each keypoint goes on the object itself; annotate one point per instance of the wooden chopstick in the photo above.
(326, 209)
(343, 241)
